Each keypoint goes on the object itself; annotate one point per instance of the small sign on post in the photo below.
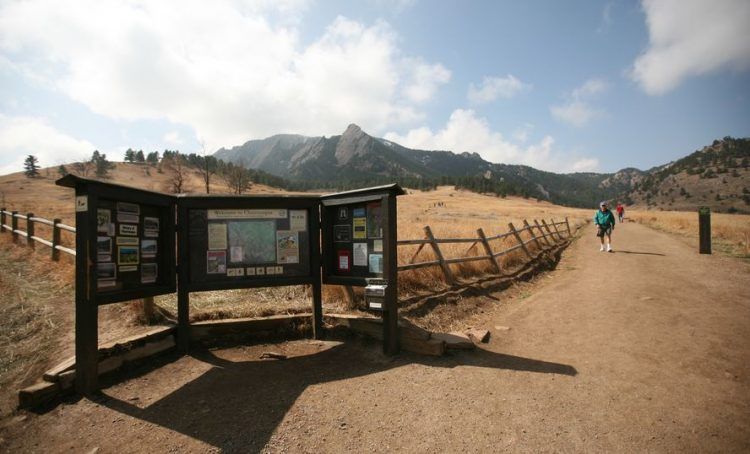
(704, 230)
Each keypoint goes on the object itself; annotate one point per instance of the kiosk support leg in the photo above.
(183, 320)
(317, 316)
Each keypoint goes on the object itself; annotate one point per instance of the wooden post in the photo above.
(704, 230)
(419, 249)
(554, 225)
(544, 235)
(14, 225)
(317, 286)
(2, 220)
(86, 310)
(567, 224)
(391, 341)
(488, 250)
(30, 230)
(435, 247)
(349, 296)
(533, 235)
(520, 240)
(149, 308)
(56, 239)
(552, 235)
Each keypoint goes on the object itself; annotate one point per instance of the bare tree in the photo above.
(237, 177)
(176, 165)
(207, 167)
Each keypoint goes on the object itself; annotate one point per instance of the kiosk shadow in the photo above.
(236, 406)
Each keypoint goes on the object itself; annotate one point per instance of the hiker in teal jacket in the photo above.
(605, 223)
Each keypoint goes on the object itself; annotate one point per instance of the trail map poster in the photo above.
(256, 238)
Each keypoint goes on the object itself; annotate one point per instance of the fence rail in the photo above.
(554, 231)
(30, 232)
(544, 232)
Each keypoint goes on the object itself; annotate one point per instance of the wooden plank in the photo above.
(567, 224)
(415, 266)
(444, 266)
(544, 236)
(468, 259)
(520, 240)
(216, 328)
(30, 230)
(554, 225)
(56, 241)
(488, 250)
(38, 394)
(552, 235)
(533, 235)
(53, 374)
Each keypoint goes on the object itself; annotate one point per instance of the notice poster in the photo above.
(360, 228)
(287, 247)
(377, 246)
(247, 214)
(298, 220)
(376, 263)
(343, 214)
(103, 246)
(375, 220)
(106, 271)
(358, 213)
(342, 233)
(217, 236)
(103, 219)
(343, 262)
(127, 241)
(257, 239)
(148, 248)
(149, 272)
(235, 254)
(127, 255)
(151, 227)
(216, 262)
(360, 254)
(127, 229)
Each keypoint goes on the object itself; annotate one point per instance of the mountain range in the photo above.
(356, 159)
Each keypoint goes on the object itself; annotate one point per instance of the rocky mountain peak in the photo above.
(353, 142)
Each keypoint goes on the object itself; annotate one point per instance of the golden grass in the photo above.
(730, 232)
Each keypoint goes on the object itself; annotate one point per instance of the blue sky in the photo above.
(562, 86)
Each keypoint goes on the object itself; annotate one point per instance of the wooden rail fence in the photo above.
(554, 231)
(30, 232)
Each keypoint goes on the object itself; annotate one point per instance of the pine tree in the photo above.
(153, 158)
(62, 170)
(31, 166)
(129, 155)
(101, 165)
(139, 156)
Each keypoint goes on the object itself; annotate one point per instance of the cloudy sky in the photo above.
(562, 86)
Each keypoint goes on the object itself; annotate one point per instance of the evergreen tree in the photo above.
(129, 155)
(153, 158)
(62, 170)
(139, 156)
(101, 165)
(31, 166)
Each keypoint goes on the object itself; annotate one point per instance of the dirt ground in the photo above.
(645, 349)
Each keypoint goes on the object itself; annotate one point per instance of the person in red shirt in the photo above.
(620, 211)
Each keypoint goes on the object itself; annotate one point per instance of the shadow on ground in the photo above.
(640, 253)
(236, 406)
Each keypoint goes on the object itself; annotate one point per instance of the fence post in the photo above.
(488, 250)
(2, 220)
(544, 235)
(14, 225)
(544, 223)
(349, 296)
(446, 268)
(533, 235)
(567, 224)
(55, 239)
(30, 230)
(520, 240)
(419, 249)
(554, 226)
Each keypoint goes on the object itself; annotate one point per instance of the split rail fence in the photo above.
(30, 233)
(554, 231)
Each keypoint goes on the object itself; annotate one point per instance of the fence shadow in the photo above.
(237, 405)
(640, 253)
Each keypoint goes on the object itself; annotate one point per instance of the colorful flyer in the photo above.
(127, 255)
(217, 236)
(151, 227)
(375, 220)
(103, 245)
(344, 260)
(360, 254)
(359, 213)
(103, 218)
(287, 247)
(376, 263)
(298, 220)
(342, 233)
(216, 262)
(129, 229)
(360, 228)
(148, 248)
(149, 272)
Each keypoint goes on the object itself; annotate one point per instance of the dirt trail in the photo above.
(646, 349)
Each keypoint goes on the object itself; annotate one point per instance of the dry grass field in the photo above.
(730, 232)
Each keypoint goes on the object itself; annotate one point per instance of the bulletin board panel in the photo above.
(128, 238)
(252, 241)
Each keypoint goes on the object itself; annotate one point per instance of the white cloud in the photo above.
(577, 110)
(689, 38)
(22, 136)
(606, 21)
(521, 133)
(496, 87)
(464, 131)
(172, 137)
(425, 80)
(234, 71)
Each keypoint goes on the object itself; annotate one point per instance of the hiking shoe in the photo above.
(609, 249)
(601, 249)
